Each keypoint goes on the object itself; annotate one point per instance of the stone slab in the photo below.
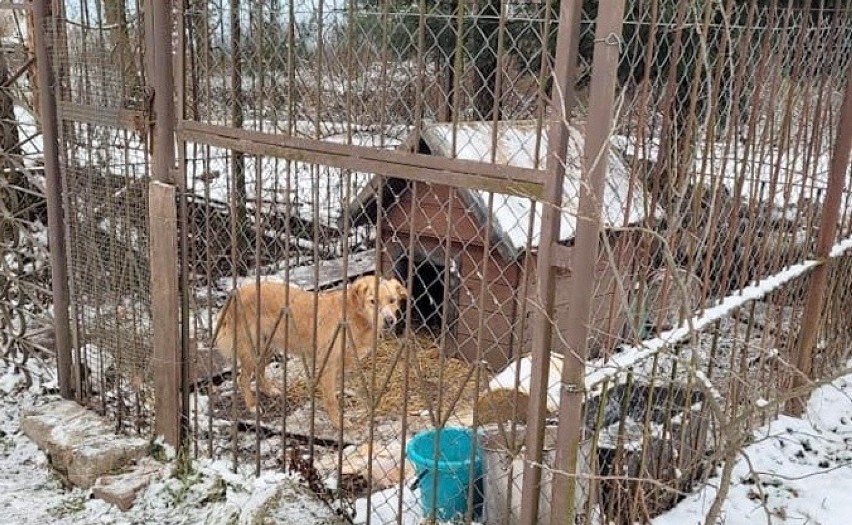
(121, 489)
(80, 444)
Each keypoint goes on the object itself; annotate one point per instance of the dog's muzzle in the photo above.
(388, 319)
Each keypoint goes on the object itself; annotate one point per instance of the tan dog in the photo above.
(364, 303)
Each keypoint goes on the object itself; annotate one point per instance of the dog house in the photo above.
(472, 253)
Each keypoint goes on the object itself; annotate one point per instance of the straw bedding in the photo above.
(379, 379)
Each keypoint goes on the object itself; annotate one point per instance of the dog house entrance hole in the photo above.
(428, 285)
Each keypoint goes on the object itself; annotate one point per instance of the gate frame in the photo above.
(561, 104)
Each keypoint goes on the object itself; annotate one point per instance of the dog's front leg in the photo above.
(329, 383)
(268, 387)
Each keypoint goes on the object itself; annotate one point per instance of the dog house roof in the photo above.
(516, 146)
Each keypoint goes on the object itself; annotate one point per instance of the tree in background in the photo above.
(683, 51)
(457, 37)
(124, 52)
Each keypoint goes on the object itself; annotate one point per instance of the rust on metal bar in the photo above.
(827, 232)
(179, 176)
(589, 223)
(498, 178)
(53, 194)
(542, 326)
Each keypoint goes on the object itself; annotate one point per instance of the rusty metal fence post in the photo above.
(589, 223)
(827, 233)
(163, 227)
(562, 101)
(53, 192)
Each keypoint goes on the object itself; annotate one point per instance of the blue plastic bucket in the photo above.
(442, 461)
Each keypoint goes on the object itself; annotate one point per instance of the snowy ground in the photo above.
(207, 493)
(797, 471)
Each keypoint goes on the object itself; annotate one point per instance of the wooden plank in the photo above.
(497, 325)
(127, 119)
(499, 178)
(496, 354)
(436, 226)
(332, 272)
(164, 310)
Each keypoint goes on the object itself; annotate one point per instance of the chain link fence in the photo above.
(710, 189)
(728, 115)
(322, 143)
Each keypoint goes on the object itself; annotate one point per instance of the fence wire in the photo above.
(105, 174)
(319, 144)
(710, 189)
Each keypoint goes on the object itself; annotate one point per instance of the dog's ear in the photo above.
(359, 289)
(400, 289)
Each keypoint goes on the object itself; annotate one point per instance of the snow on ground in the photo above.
(797, 471)
(383, 507)
(800, 468)
(208, 493)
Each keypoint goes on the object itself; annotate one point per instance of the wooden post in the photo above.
(162, 215)
(162, 212)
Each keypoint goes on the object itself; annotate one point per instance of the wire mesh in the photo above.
(105, 176)
(302, 70)
(728, 115)
(709, 190)
(717, 172)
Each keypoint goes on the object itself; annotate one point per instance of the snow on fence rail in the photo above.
(604, 370)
